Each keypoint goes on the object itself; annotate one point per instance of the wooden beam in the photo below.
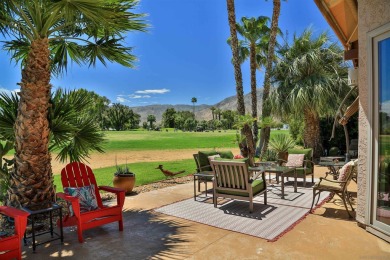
(351, 54)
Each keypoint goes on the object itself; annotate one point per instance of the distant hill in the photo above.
(202, 112)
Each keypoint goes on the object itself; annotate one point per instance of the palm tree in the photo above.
(74, 132)
(256, 36)
(212, 111)
(236, 57)
(43, 36)
(237, 73)
(194, 100)
(151, 119)
(311, 78)
(265, 111)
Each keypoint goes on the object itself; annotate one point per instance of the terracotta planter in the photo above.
(124, 181)
(283, 155)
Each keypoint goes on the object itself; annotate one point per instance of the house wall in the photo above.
(372, 14)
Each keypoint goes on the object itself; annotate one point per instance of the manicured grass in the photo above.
(152, 140)
(145, 172)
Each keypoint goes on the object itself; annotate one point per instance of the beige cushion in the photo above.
(295, 160)
(345, 171)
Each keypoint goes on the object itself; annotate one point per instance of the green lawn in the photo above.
(153, 140)
(145, 172)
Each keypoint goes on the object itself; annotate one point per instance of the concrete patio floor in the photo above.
(326, 234)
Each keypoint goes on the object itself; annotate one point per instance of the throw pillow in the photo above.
(345, 171)
(86, 196)
(226, 154)
(295, 160)
(203, 159)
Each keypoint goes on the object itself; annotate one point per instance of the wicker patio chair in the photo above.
(338, 187)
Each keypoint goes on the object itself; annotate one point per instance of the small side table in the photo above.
(201, 176)
(55, 209)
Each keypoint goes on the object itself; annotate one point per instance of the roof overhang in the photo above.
(342, 16)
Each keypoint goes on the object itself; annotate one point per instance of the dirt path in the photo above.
(108, 159)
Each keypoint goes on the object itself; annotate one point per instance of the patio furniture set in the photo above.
(233, 178)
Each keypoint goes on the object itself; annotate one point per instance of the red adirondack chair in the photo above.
(78, 175)
(11, 245)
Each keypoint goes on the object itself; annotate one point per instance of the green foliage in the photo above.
(270, 155)
(72, 132)
(121, 117)
(97, 107)
(168, 117)
(151, 119)
(297, 127)
(5, 170)
(145, 171)
(281, 143)
(83, 31)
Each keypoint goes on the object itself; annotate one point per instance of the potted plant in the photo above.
(280, 143)
(124, 178)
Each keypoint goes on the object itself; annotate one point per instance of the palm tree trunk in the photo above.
(254, 91)
(236, 60)
(237, 66)
(312, 133)
(32, 180)
(265, 111)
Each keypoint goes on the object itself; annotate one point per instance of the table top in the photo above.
(332, 163)
(332, 158)
(272, 169)
(53, 207)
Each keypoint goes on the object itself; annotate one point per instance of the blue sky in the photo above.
(183, 55)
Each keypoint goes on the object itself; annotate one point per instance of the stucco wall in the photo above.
(372, 14)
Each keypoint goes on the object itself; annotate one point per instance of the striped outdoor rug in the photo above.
(267, 221)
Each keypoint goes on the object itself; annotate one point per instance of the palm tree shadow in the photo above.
(146, 235)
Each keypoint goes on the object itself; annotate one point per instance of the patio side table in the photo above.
(55, 209)
(280, 171)
(200, 176)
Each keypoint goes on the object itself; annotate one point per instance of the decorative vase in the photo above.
(283, 155)
(124, 181)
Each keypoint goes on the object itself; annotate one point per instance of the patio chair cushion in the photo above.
(307, 152)
(328, 185)
(203, 158)
(233, 160)
(257, 187)
(86, 196)
(295, 160)
(226, 154)
(344, 171)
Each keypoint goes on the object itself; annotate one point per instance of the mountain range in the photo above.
(202, 112)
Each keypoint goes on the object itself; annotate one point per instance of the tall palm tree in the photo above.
(311, 77)
(193, 101)
(212, 111)
(265, 110)
(256, 37)
(236, 57)
(43, 36)
(246, 129)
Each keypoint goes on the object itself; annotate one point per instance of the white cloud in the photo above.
(138, 96)
(121, 99)
(153, 91)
